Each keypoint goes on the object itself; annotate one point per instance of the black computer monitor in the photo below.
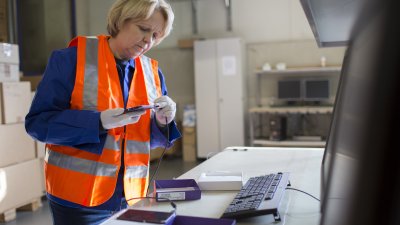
(316, 89)
(361, 165)
(289, 90)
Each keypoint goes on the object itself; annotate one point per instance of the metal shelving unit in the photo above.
(294, 72)
(287, 110)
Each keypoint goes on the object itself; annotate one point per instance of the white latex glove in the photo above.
(112, 118)
(166, 110)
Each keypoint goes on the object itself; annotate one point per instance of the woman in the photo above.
(97, 155)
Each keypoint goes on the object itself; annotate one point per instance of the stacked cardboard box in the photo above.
(15, 145)
(34, 80)
(189, 133)
(189, 144)
(9, 62)
(21, 183)
(15, 98)
(40, 152)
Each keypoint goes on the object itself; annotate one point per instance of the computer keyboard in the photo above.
(259, 196)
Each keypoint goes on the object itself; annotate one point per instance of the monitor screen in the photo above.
(289, 90)
(331, 21)
(316, 89)
(361, 166)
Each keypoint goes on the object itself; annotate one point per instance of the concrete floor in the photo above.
(169, 168)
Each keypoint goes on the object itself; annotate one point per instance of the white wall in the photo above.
(252, 20)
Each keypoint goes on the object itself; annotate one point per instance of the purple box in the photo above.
(158, 217)
(179, 189)
(185, 220)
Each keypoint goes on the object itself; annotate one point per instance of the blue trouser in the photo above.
(63, 215)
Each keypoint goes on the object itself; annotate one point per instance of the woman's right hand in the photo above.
(112, 118)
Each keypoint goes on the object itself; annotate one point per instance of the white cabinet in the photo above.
(218, 95)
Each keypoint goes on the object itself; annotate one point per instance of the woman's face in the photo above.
(136, 38)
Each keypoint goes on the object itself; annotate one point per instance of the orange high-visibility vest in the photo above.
(89, 179)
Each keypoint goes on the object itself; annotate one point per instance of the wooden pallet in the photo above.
(11, 214)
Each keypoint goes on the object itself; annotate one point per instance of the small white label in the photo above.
(228, 65)
(171, 196)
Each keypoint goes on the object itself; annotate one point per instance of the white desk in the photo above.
(296, 208)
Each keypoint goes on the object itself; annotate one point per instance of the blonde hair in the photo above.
(138, 10)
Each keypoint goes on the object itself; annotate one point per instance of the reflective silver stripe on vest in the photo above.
(136, 172)
(80, 165)
(91, 75)
(149, 79)
(112, 144)
(133, 147)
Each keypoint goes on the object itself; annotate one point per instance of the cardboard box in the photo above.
(16, 145)
(9, 72)
(15, 99)
(189, 153)
(34, 80)
(189, 144)
(9, 53)
(42, 180)
(40, 149)
(22, 183)
(187, 43)
(3, 189)
(179, 189)
(189, 135)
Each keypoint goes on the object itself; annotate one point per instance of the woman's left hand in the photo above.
(166, 110)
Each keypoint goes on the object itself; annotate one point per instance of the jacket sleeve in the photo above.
(159, 136)
(50, 118)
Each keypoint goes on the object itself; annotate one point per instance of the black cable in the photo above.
(155, 173)
(312, 196)
(160, 159)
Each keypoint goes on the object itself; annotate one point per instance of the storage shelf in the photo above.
(293, 110)
(302, 70)
(286, 110)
